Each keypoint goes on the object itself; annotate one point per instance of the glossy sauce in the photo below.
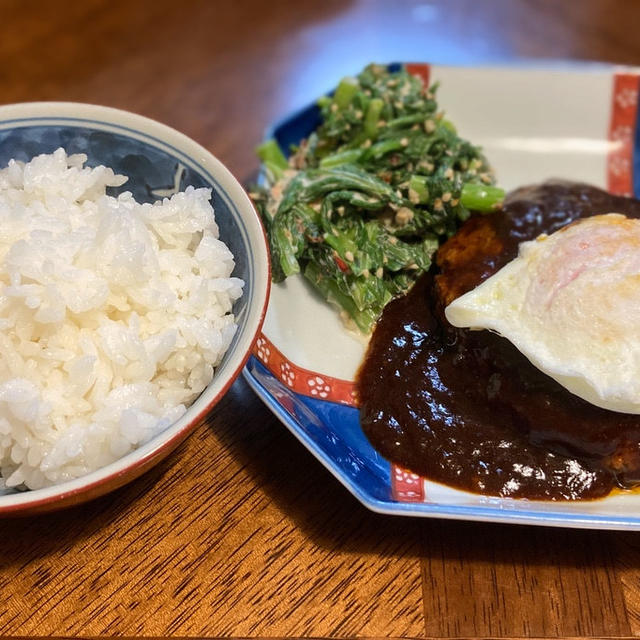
(465, 408)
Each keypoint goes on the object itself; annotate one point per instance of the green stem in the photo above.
(480, 197)
(345, 92)
(419, 185)
(371, 118)
(447, 124)
(405, 121)
(275, 170)
(350, 156)
(379, 149)
(270, 152)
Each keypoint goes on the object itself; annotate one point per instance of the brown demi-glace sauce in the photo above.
(466, 408)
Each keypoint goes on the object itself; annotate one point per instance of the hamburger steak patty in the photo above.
(466, 408)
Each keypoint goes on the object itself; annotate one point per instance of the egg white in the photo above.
(570, 302)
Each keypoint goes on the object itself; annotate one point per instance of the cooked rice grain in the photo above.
(113, 316)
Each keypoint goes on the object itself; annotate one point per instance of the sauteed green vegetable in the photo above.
(361, 205)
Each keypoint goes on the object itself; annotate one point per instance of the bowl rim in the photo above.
(136, 462)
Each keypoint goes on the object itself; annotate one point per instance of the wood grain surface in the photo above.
(241, 532)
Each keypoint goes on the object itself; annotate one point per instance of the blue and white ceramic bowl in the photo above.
(158, 161)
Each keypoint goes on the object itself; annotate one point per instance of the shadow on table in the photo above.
(328, 514)
(29, 537)
(318, 505)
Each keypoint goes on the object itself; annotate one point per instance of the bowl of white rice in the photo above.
(134, 277)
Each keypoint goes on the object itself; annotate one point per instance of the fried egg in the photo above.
(570, 302)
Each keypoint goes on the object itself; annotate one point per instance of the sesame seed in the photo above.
(437, 204)
(427, 166)
(446, 196)
(334, 107)
(349, 256)
(366, 273)
(429, 126)
(448, 174)
(404, 142)
(379, 272)
(403, 216)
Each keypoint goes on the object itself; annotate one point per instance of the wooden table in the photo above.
(241, 532)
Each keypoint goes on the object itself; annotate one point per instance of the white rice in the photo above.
(113, 315)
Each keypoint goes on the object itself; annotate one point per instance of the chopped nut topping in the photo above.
(404, 215)
(427, 166)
